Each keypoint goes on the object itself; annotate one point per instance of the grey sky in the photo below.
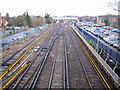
(56, 7)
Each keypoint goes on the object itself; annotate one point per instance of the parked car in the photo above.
(108, 39)
(6, 43)
(106, 33)
(92, 29)
(113, 42)
(115, 30)
(106, 27)
(102, 35)
(96, 32)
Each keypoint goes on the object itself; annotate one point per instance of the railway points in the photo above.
(57, 59)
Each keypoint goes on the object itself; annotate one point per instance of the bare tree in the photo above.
(115, 5)
(47, 17)
(107, 20)
(37, 20)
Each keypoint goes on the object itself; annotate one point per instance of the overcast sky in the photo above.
(56, 7)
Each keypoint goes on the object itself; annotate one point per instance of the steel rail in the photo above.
(29, 66)
(25, 70)
(51, 75)
(18, 81)
(92, 61)
(40, 68)
(14, 77)
(52, 71)
(66, 78)
(87, 77)
(14, 63)
(23, 47)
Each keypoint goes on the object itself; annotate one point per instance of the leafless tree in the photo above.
(115, 5)
(37, 20)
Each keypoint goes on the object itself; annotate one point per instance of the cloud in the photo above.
(55, 7)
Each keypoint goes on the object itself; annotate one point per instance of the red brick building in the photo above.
(113, 19)
(3, 23)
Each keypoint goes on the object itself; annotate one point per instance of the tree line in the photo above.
(27, 20)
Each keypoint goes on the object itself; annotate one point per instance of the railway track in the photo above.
(60, 62)
(19, 55)
(23, 53)
(58, 79)
(66, 71)
(21, 49)
(86, 76)
(34, 64)
(16, 54)
(46, 77)
(55, 72)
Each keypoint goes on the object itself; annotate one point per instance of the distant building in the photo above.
(65, 18)
(100, 20)
(113, 19)
(88, 19)
(3, 23)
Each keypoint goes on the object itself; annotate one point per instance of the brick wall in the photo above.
(3, 23)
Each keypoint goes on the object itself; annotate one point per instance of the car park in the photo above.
(110, 39)
(9, 28)
(113, 42)
(5, 43)
(102, 30)
(19, 36)
(96, 32)
(106, 27)
(17, 27)
(115, 30)
(10, 40)
(87, 28)
(115, 45)
(106, 33)
(102, 35)
(92, 29)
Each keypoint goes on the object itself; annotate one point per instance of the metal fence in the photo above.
(111, 54)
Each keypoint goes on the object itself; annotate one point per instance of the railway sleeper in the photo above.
(42, 54)
(45, 47)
